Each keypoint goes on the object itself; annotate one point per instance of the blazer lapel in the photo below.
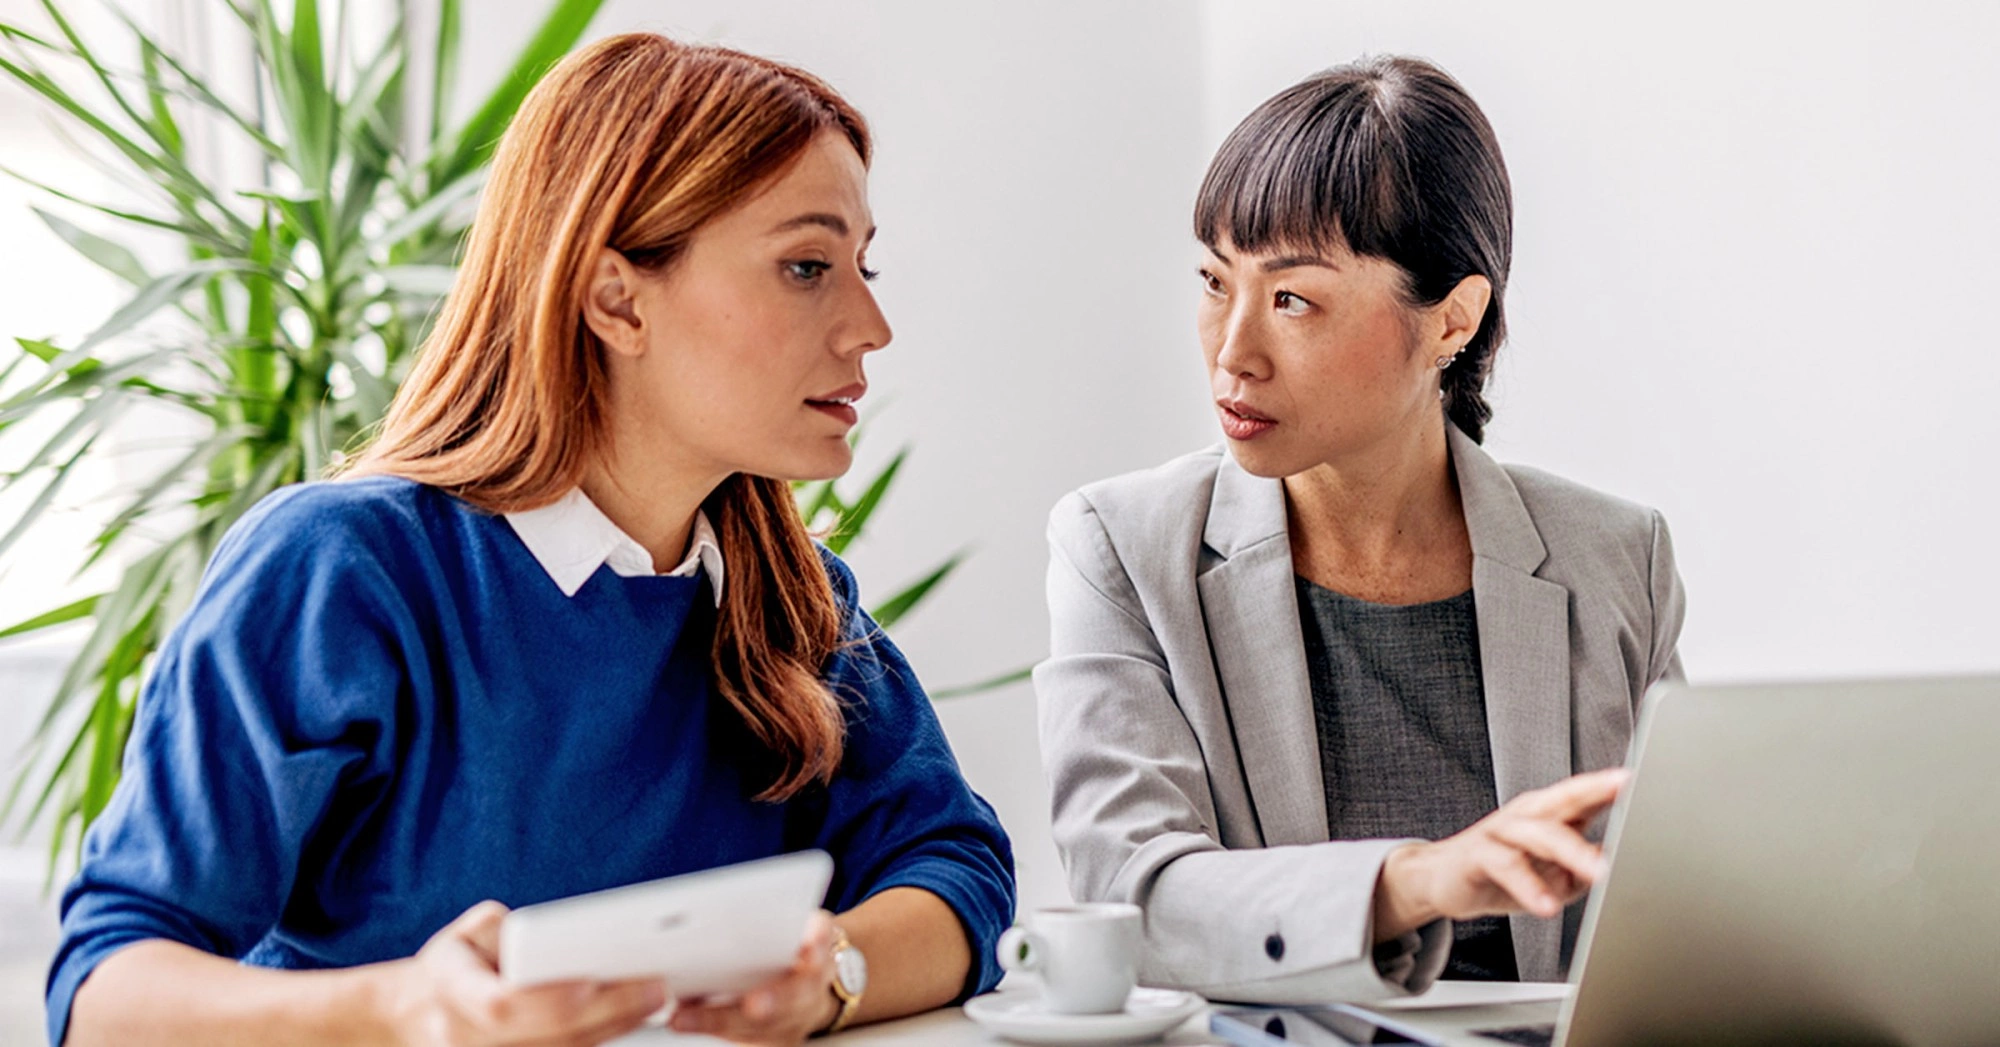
(1250, 608)
(1523, 659)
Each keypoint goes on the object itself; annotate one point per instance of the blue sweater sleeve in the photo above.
(899, 813)
(275, 693)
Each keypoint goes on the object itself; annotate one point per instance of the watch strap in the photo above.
(850, 1001)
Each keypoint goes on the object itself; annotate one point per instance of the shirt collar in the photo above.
(571, 538)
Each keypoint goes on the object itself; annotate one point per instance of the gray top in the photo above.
(1403, 745)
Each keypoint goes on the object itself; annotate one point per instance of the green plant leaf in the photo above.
(80, 378)
(66, 613)
(260, 317)
(474, 145)
(102, 773)
(432, 281)
(55, 779)
(855, 516)
(819, 498)
(95, 413)
(38, 349)
(42, 500)
(162, 291)
(54, 93)
(111, 256)
(307, 106)
(111, 719)
(165, 169)
(890, 611)
(104, 77)
(430, 211)
(58, 838)
(165, 129)
(307, 56)
(266, 478)
(18, 34)
(992, 683)
(377, 95)
(180, 471)
(56, 841)
(137, 589)
(191, 87)
(299, 105)
(372, 392)
(444, 67)
(203, 234)
(301, 216)
(370, 128)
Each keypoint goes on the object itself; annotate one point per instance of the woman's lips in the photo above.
(1241, 422)
(839, 410)
(839, 404)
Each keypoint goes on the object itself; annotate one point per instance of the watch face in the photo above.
(852, 970)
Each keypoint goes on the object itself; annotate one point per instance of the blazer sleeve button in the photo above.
(1274, 947)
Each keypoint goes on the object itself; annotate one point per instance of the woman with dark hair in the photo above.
(559, 628)
(1337, 704)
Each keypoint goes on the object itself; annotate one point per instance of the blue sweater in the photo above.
(380, 710)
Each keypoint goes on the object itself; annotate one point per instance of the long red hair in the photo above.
(633, 143)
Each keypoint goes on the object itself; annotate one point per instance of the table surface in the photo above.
(950, 1027)
(946, 1027)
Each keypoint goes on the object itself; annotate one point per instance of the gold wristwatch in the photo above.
(850, 980)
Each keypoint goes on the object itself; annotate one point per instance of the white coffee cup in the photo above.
(1087, 955)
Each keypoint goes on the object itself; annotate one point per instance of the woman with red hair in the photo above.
(559, 628)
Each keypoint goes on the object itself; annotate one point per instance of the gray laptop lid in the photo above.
(1801, 863)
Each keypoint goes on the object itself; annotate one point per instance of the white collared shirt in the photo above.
(572, 538)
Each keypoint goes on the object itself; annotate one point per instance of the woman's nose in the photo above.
(868, 330)
(1242, 349)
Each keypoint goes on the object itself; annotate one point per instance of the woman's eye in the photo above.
(1290, 304)
(1210, 284)
(870, 274)
(807, 272)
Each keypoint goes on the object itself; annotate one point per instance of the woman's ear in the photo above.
(610, 304)
(1462, 310)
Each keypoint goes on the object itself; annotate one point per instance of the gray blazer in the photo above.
(1177, 724)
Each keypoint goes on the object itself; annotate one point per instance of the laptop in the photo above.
(1795, 863)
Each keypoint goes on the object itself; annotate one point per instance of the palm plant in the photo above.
(839, 522)
(279, 332)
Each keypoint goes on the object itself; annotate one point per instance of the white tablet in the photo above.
(716, 932)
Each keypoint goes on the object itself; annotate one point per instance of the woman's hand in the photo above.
(779, 1013)
(1530, 855)
(450, 995)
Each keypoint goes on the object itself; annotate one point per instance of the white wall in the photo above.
(1752, 249)
(1754, 278)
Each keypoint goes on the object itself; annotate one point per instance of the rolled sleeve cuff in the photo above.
(985, 909)
(72, 966)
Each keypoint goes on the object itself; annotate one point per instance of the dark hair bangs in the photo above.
(1310, 170)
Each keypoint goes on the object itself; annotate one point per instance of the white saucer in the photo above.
(1018, 1015)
